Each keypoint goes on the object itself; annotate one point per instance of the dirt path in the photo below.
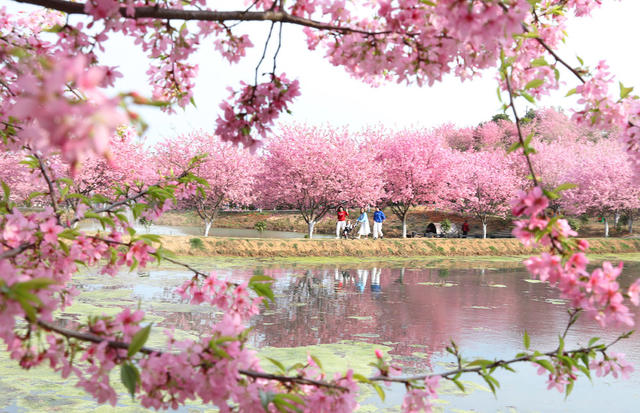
(253, 247)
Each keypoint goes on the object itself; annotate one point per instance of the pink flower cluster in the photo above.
(53, 119)
(561, 376)
(420, 399)
(597, 293)
(233, 300)
(599, 107)
(255, 108)
(614, 364)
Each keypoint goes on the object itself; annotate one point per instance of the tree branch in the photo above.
(52, 194)
(520, 137)
(203, 15)
(92, 338)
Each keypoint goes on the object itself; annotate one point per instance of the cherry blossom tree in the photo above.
(56, 99)
(483, 184)
(314, 170)
(229, 171)
(415, 165)
(18, 177)
(605, 182)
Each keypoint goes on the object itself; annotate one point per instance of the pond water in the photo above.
(342, 312)
(214, 232)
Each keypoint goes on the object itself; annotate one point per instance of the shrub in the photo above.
(445, 225)
(260, 226)
(574, 223)
(196, 243)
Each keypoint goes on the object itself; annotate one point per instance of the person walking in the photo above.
(342, 221)
(378, 217)
(363, 219)
(465, 228)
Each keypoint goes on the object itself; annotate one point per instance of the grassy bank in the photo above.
(417, 220)
(236, 247)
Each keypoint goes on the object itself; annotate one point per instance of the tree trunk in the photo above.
(484, 230)
(606, 227)
(207, 227)
(616, 218)
(630, 224)
(404, 226)
(311, 224)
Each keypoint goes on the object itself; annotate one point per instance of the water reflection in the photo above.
(413, 311)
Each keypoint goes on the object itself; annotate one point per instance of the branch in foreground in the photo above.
(88, 337)
(203, 15)
(92, 338)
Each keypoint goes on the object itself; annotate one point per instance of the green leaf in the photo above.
(580, 60)
(138, 340)
(265, 399)
(527, 96)
(539, 62)
(625, 91)
(316, 360)
(260, 278)
(550, 194)
(150, 237)
(534, 84)
(527, 340)
(486, 378)
(545, 364)
(29, 311)
(361, 378)
(36, 283)
(6, 190)
(560, 346)
(564, 187)
(480, 362)
(514, 147)
(263, 290)
(460, 385)
(284, 406)
(279, 365)
(378, 390)
(571, 92)
(593, 341)
(130, 377)
(569, 388)
(68, 233)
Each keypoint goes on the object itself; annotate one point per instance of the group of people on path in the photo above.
(343, 227)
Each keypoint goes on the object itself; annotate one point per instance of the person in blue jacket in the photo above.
(378, 217)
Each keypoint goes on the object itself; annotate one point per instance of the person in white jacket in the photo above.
(363, 219)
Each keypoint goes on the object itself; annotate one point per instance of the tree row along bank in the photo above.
(235, 247)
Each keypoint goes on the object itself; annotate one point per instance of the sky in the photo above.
(331, 96)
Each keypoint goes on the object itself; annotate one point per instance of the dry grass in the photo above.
(234, 247)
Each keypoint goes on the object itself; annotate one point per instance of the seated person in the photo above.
(347, 229)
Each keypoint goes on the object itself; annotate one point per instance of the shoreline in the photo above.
(386, 248)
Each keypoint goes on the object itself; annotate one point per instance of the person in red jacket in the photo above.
(465, 228)
(342, 221)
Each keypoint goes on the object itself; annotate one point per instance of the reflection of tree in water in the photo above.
(417, 310)
(411, 310)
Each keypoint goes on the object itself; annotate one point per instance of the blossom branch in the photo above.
(518, 127)
(92, 338)
(52, 194)
(147, 12)
(495, 364)
(559, 59)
